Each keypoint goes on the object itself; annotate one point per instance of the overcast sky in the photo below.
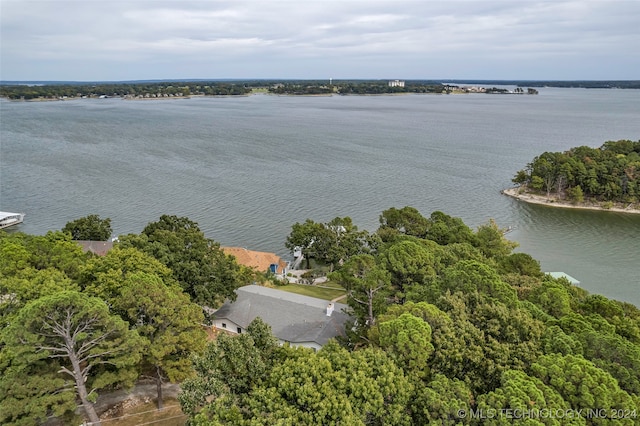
(91, 40)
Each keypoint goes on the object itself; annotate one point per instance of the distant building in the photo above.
(396, 83)
(294, 319)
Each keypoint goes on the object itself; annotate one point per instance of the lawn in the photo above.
(315, 291)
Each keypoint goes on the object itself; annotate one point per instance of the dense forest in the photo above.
(208, 88)
(450, 326)
(123, 90)
(607, 174)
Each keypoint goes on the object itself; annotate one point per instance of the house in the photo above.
(294, 319)
(259, 260)
(396, 83)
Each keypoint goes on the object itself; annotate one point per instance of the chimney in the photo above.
(329, 309)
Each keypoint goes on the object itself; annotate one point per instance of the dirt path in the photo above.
(144, 391)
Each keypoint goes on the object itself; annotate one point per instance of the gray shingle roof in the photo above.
(293, 317)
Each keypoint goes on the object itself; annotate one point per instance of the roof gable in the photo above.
(293, 317)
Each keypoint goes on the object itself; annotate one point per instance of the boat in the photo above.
(9, 219)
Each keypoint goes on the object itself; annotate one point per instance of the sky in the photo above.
(113, 40)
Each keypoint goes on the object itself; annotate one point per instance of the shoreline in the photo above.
(530, 198)
(317, 95)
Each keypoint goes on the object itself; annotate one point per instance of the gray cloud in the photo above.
(117, 40)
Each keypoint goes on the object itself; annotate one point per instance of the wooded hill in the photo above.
(450, 327)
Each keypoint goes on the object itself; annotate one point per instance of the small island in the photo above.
(605, 178)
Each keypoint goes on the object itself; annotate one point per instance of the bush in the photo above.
(607, 205)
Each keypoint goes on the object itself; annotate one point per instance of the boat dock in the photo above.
(9, 219)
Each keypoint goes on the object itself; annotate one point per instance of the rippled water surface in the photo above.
(247, 168)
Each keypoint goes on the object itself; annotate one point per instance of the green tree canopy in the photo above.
(367, 285)
(229, 367)
(518, 391)
(169, 324)
(202, 269)
(583, 385)
(86, 348)
(309, 237)
(89, 228)
(408, 339)
(410, 263)
(608, 173)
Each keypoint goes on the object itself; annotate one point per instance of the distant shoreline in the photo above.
(552, 201)
(302, 95)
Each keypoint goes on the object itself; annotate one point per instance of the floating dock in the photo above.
(9, 219)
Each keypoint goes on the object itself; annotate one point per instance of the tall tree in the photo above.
(367, 285)
(346, 241)
(307, 237)
(203, 270)
(406, 220)
(441, 401)
(518, 391)
(89, 228)
(408, 340)
(230, 367)
(491, 241)
(87, 344)
(54, 250)
(583, 385)
(105, 276)
(410, 263)
(445, 229)
(169, 324)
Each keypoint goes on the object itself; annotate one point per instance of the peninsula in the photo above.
(521, 193)
(605, 178)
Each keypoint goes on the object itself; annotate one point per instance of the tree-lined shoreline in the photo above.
(604, 178)
(180, 89)
(447, 321)
(522, 194)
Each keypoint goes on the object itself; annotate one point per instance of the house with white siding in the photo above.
(396, 83)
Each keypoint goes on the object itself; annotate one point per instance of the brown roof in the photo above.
(258, 260)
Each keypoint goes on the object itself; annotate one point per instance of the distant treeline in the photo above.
(352, 88)
(612, 84)
(146, 89)
(610, 173)
(213, 88)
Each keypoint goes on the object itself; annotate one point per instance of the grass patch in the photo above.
(332, 285)
(314, 291)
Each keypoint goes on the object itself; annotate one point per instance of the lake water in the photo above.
(247, 168)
